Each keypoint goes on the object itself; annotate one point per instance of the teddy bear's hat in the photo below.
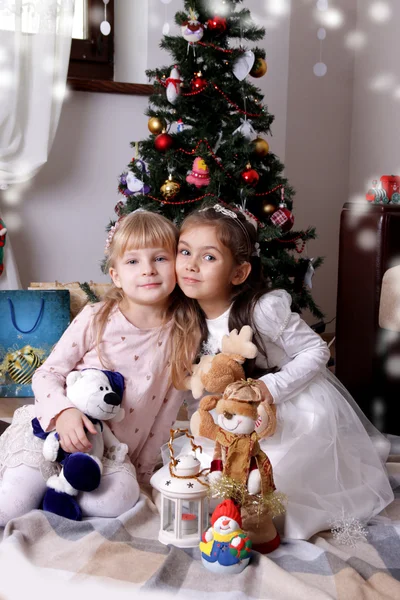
(243, 391)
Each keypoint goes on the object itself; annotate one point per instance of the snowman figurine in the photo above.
(225, 548)
(173, 85)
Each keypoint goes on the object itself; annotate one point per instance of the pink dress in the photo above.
(151, 403)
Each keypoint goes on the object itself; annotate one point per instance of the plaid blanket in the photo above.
(122, 558)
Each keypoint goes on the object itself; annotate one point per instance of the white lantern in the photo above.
(184, 498)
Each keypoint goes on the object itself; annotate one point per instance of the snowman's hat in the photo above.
(228, 509)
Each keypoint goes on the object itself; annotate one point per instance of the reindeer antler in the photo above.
(240, 343)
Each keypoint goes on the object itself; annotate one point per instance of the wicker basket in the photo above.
(78, 298)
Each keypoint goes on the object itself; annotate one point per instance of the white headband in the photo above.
(230, 213)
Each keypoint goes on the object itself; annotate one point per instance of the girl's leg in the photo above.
(21, 490)
(116, 494)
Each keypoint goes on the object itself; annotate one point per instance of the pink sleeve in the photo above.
(159, 434)
(48, 382)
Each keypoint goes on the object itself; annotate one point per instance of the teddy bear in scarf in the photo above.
(240, 470)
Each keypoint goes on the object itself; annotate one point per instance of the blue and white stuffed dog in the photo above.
(98, 394)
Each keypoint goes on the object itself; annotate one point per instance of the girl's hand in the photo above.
(265, 392)
(70, 425)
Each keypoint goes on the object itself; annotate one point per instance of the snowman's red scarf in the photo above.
(241, 451)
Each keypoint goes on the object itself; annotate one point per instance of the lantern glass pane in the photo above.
(169, 515)
(205, 523)
(190, 517)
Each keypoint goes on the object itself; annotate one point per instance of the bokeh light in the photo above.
(332, 18)
(380, 12)
(278, 8)
(392, 366)
(367, 239)
(383, 82)
(355, 40)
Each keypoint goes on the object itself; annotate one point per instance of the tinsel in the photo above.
(272, 503)
(348, 531)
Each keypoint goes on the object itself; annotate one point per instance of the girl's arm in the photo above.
(48, 382)
(308, 352)
(159, 434)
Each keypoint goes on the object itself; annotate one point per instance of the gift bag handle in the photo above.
(14, 322)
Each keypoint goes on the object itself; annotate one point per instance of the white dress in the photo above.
(328, 459)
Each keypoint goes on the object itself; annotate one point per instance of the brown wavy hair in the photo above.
(145, 229)
(240, 238)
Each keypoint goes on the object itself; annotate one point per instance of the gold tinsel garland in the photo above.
(272, 502)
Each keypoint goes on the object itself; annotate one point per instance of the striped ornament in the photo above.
(22, 364)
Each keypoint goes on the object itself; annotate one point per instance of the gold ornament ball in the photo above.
(156, 125)
(259, 69)
(268, 208)
(170, 188)
(261, 147)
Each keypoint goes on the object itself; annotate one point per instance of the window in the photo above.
(92, 53)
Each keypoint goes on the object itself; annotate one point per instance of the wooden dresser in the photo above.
(369, 245)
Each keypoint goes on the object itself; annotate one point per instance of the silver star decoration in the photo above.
(190, 485)
(348, 531)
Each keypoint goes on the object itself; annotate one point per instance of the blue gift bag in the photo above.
(31, 323)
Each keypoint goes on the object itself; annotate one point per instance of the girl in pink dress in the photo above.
(138, 330)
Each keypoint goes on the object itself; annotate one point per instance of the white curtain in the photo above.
(35, 44)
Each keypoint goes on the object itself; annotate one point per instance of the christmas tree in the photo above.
(206, 122)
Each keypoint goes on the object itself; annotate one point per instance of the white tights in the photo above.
(22, 489)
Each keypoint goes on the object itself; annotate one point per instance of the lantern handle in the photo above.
(171, 440)
(174, 461)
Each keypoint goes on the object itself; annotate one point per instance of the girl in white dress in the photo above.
(327, 457)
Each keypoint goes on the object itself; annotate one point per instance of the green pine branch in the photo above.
(214, 116)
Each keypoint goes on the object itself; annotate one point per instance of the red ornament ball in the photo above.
(217, 24)
(250, 176)
(198, 83)
(163, 142)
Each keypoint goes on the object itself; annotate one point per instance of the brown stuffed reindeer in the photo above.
(238, 464)
(215, 372)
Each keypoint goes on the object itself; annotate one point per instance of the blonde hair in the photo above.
(145, 229)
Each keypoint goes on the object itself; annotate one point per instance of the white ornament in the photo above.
(243, 65)
(190, 35)
(192, 31)
(105, 27)
(309, 274)
(321, 33)
(165, 29)
(173, 85)
(133, 183)
(320, 69)
(246, 129)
